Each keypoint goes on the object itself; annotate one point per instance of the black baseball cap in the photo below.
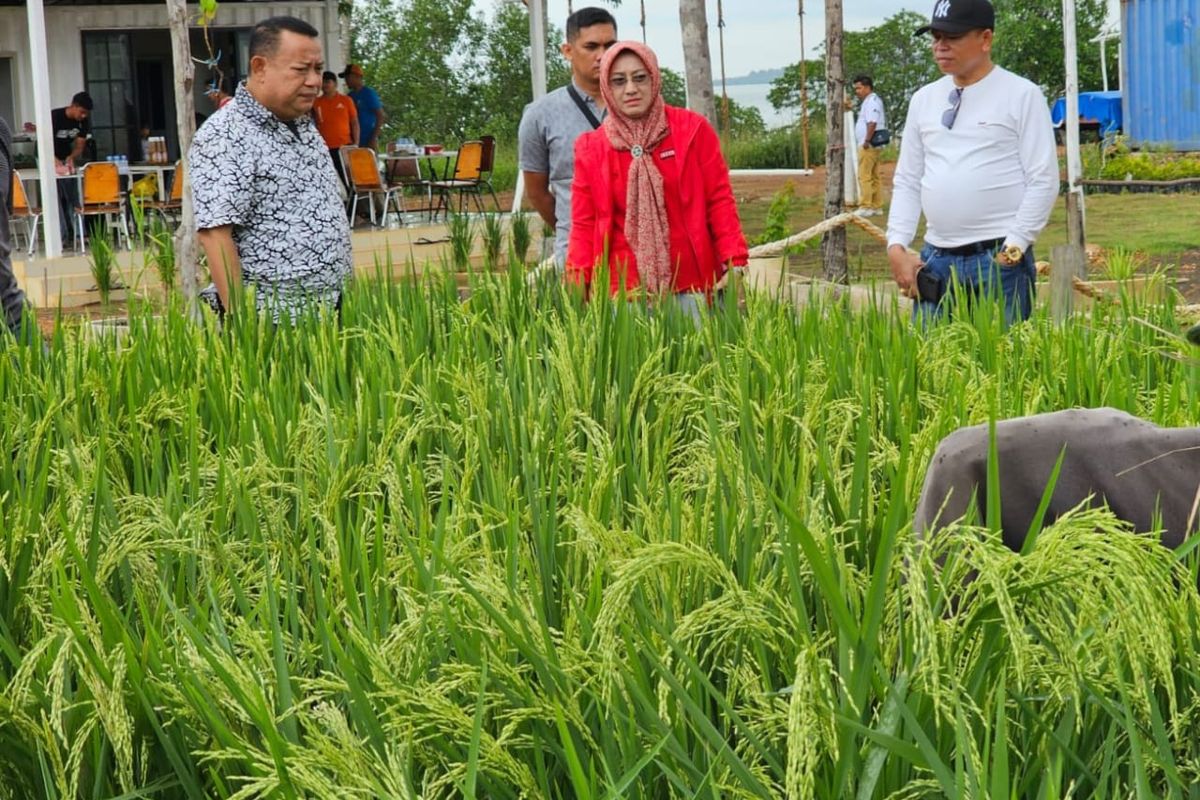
(960, 16)
(328, 75)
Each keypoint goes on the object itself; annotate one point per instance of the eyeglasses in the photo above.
(640, 79)
(951, 113)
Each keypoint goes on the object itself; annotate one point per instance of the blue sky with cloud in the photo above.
(759, 34)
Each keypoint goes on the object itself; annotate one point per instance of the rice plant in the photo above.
(462, 240)
(493, 239)
(520, 237)
(528, 546)
(103, 262)
(161, 250)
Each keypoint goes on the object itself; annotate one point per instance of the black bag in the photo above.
(930, 287)
(880, 138)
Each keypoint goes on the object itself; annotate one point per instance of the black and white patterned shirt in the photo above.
(275, 184)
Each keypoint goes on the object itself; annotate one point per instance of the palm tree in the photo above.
(697, 61)
(833, 245)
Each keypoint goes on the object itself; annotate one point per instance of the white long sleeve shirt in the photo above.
(993, 175)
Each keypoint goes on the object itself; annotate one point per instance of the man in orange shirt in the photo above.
(337, 120)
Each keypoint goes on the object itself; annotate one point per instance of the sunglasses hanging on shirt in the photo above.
(951, 113)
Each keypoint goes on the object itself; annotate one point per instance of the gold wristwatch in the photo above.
(1012, 254)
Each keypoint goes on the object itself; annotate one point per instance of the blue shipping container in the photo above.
(1161, 78)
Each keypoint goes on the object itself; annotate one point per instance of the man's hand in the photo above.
(904, 269)
(224, 263)
(537, 190)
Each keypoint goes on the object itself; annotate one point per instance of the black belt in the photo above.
(971, 249)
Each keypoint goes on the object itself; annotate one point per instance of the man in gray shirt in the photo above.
(551, 124)
(12, 299)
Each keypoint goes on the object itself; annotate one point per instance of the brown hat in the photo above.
(351, 69)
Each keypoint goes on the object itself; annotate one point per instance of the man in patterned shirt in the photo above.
(268, 209)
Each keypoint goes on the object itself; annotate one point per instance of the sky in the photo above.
(759, 34)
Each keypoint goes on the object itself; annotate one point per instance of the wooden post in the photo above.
(186, 247)
(1066, 262)
(833, 244)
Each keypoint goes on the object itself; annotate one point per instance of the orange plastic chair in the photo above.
(468, 174)
(24, 212)
(362, 167)
(102, 197)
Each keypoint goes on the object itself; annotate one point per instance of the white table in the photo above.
(446, 155)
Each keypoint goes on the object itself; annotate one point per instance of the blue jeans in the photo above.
(978, 276)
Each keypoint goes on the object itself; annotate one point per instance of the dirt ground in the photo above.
(754, 193)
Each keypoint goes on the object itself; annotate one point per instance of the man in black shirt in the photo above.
(71, 133)
(12, 300)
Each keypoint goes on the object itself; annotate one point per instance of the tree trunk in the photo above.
(186, 249)
(697, 60)
(833, 245)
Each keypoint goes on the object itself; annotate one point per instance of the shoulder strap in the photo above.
(587, 112)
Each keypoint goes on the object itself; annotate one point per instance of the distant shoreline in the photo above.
(763, 76)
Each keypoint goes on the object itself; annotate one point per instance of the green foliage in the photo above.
(1150, 167)
(446, 71)
(779, 214)
(897, 61)
(674, 88)
(744, 120)
(1029, 42)
(523, 546)
(780, 148)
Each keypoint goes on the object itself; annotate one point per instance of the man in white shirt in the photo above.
(978, 159)
(870, 120)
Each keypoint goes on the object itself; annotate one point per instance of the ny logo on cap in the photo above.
(942, 9)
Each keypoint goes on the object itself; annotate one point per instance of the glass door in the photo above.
(108, 78)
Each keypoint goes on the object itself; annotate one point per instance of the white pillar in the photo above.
(335, 57)
(40, 67)
(1075, 214)
(537, 66)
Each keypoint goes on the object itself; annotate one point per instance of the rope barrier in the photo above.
(779, 248)
(773, 249)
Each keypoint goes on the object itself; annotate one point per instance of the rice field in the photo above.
(520, 546)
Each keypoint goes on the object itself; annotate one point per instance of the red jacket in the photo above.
(710, 213)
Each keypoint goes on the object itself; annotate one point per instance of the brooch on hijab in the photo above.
(636, 151)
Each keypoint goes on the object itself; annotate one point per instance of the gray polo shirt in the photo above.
(549, 128)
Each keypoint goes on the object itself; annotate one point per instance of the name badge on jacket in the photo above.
(665, 154)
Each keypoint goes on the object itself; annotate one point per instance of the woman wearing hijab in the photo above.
(651, 191)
